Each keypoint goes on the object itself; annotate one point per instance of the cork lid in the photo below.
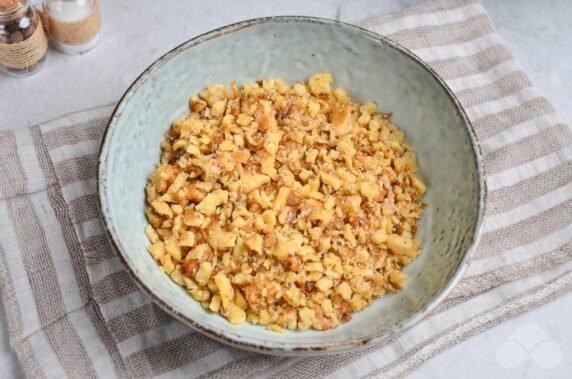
(6, 5)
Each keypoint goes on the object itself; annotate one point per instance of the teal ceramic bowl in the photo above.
(370, 67)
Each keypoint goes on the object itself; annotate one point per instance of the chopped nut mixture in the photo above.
(289, 206)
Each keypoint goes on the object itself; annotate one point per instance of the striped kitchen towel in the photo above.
(73, 310)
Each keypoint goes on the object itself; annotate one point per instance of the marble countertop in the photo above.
(537, 31)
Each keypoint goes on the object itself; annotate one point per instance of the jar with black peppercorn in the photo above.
(23, 43)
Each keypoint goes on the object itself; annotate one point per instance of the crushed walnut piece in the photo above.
(289, 206)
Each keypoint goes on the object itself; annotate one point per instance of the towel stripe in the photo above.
(179, 351)
(528, 210)
(73, 169)
(492, 124)
(460, 50)
(449, 12)
(155, 337)
(529, 170)
(508, 85)
(45, 356)
(445, 34)
(472, 286)
(521, 253)
(530, 148)
(484, 79)
(83, 209)
(96, 249)
(511, 197)
(454, 68)
(250, 366)
(206, 364)
(79, 188)
(526, 231)
(113, 287)
(24, 298)
(77, 150)
(15, 320)
(137, 321)
(520, 131)
(124, 304)
(91, 130)
(11, 171)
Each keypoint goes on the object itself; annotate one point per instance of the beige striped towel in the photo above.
(73, 311)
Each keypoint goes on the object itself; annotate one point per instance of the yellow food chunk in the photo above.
(254, 243)
(324, 284)
(397, 278)
(369, 190)
(269, 218)
(306, 317)
(227, 145)
(167, 264)
(157, 250)
(236, 315)
(314, 266)
(221, 240)
(341, 120)
(289, 246)
(215, 303)
(275, 328)
(294, 296)
(187, 239)
(272, 141)
(331, 180)
(379, 237)
(402, 246)
(250, 182)
(225, 290)
(320, 83)
(162, 208)
(344, 290)
(419, 186)
(173, 250)
(358, 302)
(204, 273)
(211, 201)
(280, 200)
(244, 119)
(191, 128)
(151, 234)
(218, 108)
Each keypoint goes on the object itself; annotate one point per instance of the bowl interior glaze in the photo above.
(293, 48)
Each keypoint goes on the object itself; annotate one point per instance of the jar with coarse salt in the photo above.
(74, 25)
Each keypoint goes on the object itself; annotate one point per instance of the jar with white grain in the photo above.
(75, 25)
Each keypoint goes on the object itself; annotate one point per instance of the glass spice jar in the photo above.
(23, 43)
(75, 25)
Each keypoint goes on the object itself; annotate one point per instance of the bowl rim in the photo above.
(285, 347)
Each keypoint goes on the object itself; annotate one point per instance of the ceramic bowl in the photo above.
(370, 67)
